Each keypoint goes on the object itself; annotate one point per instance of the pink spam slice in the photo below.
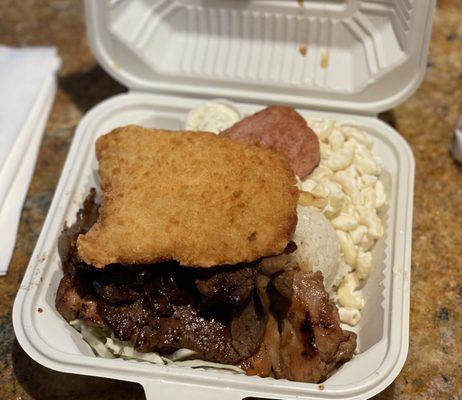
(280, 128)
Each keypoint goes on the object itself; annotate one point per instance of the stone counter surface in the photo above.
(433, 369)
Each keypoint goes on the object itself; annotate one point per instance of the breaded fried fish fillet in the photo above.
(191, 197)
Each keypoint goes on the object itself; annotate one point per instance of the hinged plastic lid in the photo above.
(362, 56)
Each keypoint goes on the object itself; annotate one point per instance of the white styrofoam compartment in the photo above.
(143, 44)
(375, 50)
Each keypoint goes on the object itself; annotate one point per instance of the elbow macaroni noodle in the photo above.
(350, 316)
(350, 195)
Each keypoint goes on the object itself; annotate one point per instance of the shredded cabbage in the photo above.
(95, 337)
(106, 345)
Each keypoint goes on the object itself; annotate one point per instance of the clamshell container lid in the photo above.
(361, 56)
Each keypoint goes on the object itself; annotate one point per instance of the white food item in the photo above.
(369, 218)
(320, 172)
(380, 196)
(347, 178)
(121, 349)
(349, 186)
(366, 163)
(338, 161)
(336, 140)
(345, 222)
(324, 151)
(364, 264)
(214, 116)
(109, 347)
(367, 242)
(348, 315)
(348, 247)
(369, 180)
(352, 132)
(358, 234)
(348, 294)
(322, 127)
(335, 203)
(343, 270)
(94, 337)
(180, 355)
(318, 248)
(308, 185)
(368, 197)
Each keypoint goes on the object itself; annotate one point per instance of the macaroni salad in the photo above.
(350, 195)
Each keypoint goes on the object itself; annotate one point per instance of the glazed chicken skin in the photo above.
(303, 339)
(312, 342)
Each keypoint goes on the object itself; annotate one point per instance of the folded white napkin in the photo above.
(27, 88)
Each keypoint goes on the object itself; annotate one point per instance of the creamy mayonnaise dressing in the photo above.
(214, 116)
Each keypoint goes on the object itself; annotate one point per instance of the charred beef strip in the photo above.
(212, 339)
(74, 298)
(185, 328)
(125, 321)
(72, 303)
(67, 242)
(227, 286)
(248, 327)
(271, 321)
(115, 294)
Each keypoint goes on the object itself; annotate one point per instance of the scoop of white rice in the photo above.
(318, 248)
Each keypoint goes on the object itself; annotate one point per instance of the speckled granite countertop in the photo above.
(433, 369)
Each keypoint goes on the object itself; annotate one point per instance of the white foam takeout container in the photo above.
(362, 57)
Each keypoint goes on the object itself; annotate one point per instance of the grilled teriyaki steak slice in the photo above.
(277, 323)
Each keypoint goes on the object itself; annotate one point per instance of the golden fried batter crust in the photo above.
(190, 197)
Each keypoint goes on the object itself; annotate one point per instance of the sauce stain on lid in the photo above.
(324, 59)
